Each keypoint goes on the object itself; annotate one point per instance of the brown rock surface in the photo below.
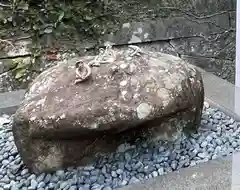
(149, 95)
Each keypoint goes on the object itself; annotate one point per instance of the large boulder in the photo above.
(141, 94)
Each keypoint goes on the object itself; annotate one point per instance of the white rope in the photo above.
(83, 70)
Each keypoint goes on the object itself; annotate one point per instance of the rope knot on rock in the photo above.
(83, 71)
(107, 55)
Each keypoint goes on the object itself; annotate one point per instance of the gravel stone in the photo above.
(160, 171)
(60, 173)
(202, 155)
(155, 174)
(127, 157)
(93, 179)
(193, 163)
(47, 178)
(41, 184)
(64, 184)
(174, 164)
(24, 172)
(5, 162)
(107, 188)
(73, 188)
(133, 180)
(34, 184)
(204, 144)
(218, 141)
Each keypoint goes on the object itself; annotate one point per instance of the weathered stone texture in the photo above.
(153, 96)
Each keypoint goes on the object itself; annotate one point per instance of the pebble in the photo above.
(24, 172)
(34, 184)
(218, 141)
(107, 188)
(133, 180)
(155, 174)
(41, 184)
(160, 171)
(64, 184)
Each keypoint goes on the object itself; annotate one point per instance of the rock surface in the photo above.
(147, 95)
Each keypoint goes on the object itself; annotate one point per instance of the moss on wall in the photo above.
(90, 19)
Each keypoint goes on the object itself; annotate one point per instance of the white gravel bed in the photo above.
(219, 135)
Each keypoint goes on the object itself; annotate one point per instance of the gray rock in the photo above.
(7, 187)
(209, 138)
(83, 188)
(87, 181)
(204, 144)
(133, 180)
(47, 178)
(114, 174)
(93, 179)
(17, 161)
(173, 156)
(161, 149)
(101, 179)
(155, 174)
(135, 72)
(128, 167)
(51, 185)
(15, 187)
(193, 153)
(89, 168)
(148, 169)
(202, 155)
(40, 177)
(160, 171)
(73, 188)
(127, 156)
(138, 165)
(60, 173)
(174, 164)
(218, 141)
(5, 155)
(204, 122)
(41, 184)
(210, 150)
(5, 162)
(54, 179)
(34, 184)
(107, 188)
(235, 144)
(218, 149)
(119, 171)
(24, 172)
(64, 185)
(96, 187)
(192, 163)
(5, 179)
(95, 172)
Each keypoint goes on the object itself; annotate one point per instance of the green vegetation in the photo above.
(87, 18)
(74, 22)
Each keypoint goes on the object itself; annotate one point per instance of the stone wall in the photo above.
(200, 31)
